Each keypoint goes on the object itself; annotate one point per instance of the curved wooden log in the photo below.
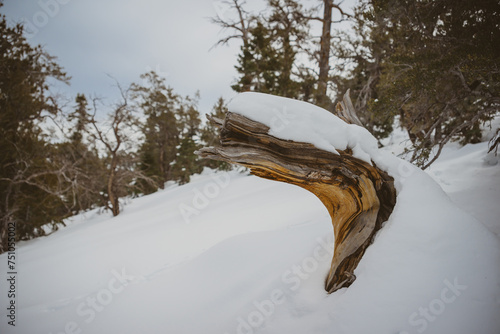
(358, 196)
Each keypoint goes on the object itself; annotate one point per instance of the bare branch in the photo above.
(241, 25)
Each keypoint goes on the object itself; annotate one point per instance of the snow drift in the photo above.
(179, 261)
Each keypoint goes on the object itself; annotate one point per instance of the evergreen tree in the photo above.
(268, 55)
(359, 66)
(210, 135)
(161, 130)
(171, 132)
(30, 188)
(439, 68)
(289, 29)
(187, 162)
(81, 116)
(258, 63)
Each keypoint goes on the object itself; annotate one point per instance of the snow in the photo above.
(301, 121)
(471, 177)
(232, 253)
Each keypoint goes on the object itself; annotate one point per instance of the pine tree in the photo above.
(171, 132)
(268, 55)
(161, 130)
(359, 67)
(30, 188)
(290, 30)
(210, 135)
(187, 162)
(435, 64)
(81, 115)
(259, 63)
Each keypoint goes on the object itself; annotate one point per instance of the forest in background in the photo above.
(432, 64)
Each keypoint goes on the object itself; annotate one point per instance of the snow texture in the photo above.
(231, 253)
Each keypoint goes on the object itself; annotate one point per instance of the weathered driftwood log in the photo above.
(358, 196)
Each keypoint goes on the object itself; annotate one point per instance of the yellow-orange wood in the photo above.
(358, 196)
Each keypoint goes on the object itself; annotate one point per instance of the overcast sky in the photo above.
(125, 38)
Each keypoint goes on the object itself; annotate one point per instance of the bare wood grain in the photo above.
(358, 196)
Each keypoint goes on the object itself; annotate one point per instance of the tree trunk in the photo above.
(324, 55)
(163, 173)
(358, 196)
(112, 195)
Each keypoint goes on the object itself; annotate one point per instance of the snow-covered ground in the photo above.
(232, 253)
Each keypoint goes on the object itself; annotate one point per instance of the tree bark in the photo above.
(163, 172)
(113, 196)
(324, 54)
(358, 196)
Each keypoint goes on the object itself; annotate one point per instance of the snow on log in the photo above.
(294, 142)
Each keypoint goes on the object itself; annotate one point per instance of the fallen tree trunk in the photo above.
(358, 195)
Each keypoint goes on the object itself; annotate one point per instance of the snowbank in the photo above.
(230, 253)
(428, 247)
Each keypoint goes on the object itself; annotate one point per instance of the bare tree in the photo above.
(239, 27)
(119, 145)
(56, 180)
